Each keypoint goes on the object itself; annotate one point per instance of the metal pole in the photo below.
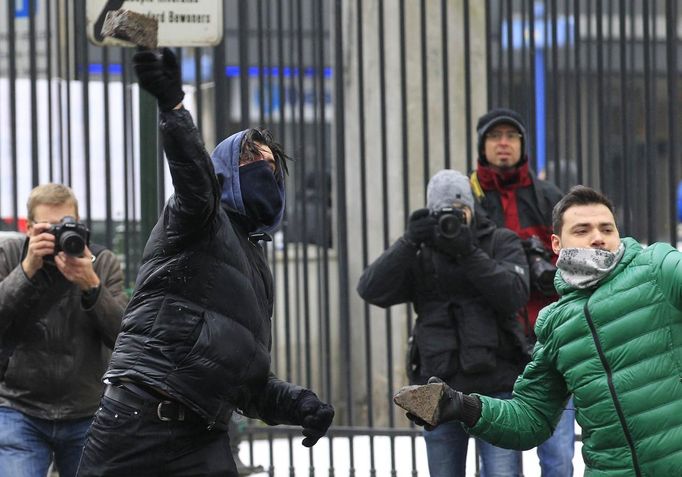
(148, 157)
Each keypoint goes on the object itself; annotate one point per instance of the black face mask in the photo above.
(260, 192)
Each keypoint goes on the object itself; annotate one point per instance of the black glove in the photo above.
(421, 227)
(453, 406)
(314, 416)
(460, 245)
(160, 75)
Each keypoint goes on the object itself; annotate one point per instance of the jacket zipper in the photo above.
(612, 389)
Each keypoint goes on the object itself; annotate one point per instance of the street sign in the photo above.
(181, 22)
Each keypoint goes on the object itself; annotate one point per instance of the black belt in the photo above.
(166, 409)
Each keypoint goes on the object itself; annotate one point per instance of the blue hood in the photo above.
(225, 159)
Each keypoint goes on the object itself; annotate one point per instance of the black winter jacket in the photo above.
(54, 343)
(466, 332)
(198, 325)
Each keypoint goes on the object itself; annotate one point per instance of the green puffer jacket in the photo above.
(618, 350)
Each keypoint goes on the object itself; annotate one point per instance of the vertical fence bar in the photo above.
(523, 74)
(128, 148)
(342, 225)
(510, 54)
(498, 99)
(85, 78)
(624, 114)
(467, 85)
(556, 90)
(488, 55)
(600, 95)
(198, 91)
(578, 89)
(11, 22)
(446, 87)
(648, 130)
(261, 65)
(425, 91)
(242, 12)
(107, 150)
(294, 353)
(50, 122)
(325, 179)
(59, 17)
(364, 221)
(384, 193)
(70, 40)
(221, 102)
(405, 163)
(533, 119)
(672, 90)
(33, 77)
(566, 84)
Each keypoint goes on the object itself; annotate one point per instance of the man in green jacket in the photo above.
(613, 340)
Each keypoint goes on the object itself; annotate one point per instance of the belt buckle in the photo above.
(180, 416)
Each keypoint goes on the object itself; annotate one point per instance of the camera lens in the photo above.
(72, 243)
(449, 225)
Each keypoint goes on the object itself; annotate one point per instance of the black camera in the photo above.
(70, 236)
(542, 270)
(450, 221)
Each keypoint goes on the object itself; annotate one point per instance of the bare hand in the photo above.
(40, 245)
(78, 270)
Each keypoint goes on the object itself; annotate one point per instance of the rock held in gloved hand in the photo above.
(142, 30)
(421, 401)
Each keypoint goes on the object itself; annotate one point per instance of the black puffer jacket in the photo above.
(198, 325)
(466, 332)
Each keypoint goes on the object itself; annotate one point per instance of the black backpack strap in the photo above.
(540, 199)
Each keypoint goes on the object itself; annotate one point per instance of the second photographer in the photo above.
(466, 279)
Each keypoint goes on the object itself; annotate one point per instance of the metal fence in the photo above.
(371, 98)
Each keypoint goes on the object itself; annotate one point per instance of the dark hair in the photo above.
(578, 195)
(250, 152)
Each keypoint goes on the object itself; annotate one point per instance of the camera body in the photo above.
(449, 221)
(542, 270)
(70, 236)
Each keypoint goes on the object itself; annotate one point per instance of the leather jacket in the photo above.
(54, 343)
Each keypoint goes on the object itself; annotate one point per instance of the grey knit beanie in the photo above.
(447, 187)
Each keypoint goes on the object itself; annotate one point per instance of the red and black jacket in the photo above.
(519, 201)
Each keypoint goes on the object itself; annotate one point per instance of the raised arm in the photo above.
(197, 194)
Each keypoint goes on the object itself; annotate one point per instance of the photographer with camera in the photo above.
(61, 302)
(514, 197)
(465, 278)
(613, 340)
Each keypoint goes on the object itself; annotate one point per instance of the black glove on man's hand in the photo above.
(459, 246)
(160, 75)
(314, 416)
(421, 227)
(452, 406)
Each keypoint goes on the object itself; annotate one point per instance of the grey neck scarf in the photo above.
(586, 267)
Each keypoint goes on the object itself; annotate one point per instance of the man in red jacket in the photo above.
(515, 198)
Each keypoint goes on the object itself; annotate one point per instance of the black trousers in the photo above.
(132, 441)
